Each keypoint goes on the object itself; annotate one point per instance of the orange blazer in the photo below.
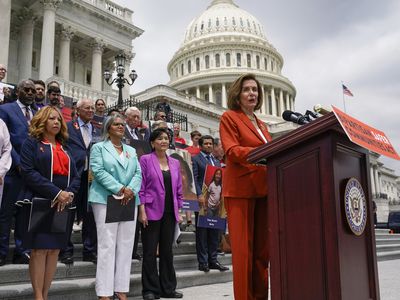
(239, 136)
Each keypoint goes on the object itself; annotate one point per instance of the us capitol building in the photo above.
(75, 41)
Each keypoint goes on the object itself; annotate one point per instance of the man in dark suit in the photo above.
(133, 132)
(132, 129)
(206, 238)
(17, 116)
(81, 135)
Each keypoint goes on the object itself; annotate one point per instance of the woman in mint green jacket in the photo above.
(116, 171)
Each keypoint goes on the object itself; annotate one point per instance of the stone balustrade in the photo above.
(112, 8)
(78, 91)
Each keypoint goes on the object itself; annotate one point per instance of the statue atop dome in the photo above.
(215, 2)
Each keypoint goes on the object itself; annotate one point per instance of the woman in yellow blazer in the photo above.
(245, 189)
(116, 170)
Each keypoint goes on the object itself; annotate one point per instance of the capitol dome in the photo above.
(222, 43)
(223, 17)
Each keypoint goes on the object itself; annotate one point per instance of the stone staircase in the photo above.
(77, 281)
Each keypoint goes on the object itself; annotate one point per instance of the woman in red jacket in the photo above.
(245, 189)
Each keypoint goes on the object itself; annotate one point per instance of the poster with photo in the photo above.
(212, 213)
(190, 201)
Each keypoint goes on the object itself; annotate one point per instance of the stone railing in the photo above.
(78, 91)
(112, 8)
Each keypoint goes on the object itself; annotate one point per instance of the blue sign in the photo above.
(192, 205)
(211, 222)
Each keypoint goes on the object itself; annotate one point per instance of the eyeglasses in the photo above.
(27, 90)
(118, 124)
(162, 116)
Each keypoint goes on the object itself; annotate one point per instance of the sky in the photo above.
(323, 43)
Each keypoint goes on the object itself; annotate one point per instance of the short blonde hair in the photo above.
(38, 125)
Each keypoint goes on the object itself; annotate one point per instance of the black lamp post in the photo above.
(120, 79)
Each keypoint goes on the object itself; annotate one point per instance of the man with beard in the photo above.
(53, 96)
(17, 116)
(82, 134)
(40, 88)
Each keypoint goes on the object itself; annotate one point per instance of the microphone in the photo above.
(294, 117)
(318, 108)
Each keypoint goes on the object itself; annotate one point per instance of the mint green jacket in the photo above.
(111, 173)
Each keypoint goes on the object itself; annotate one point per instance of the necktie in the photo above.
(27, 114)
(86, 135)
(209, 159)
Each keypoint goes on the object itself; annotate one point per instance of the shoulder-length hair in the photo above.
(38, 125)
(236, 88)
(107, 124)
(220, 180)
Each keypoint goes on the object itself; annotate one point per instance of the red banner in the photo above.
(364, 135)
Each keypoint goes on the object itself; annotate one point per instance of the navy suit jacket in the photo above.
(199, 163)
(18, 128)
(77, 145)
(146, 137)
(37, 171)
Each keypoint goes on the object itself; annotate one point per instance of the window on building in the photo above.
(202, 26)
(197, 64)
(217, 22)
(88, 76)
(207, 59)
(233, 21)
(207, 97)
(217, 60)
(265, 64)
(238, 59)
(228, 59)
(189, 66)
(258, 62)
(182, 69)
(34, 59)
(248, 56)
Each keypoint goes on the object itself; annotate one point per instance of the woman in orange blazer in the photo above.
(245, 189)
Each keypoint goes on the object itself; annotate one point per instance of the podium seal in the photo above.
(355, 206)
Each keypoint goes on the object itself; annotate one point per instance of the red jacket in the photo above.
(239, 137)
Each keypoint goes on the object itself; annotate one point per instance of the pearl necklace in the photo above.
(117, 146)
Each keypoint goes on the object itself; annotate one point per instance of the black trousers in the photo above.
(159, 233)
(84, 213)
(207, 240)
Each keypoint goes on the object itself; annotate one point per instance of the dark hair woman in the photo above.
(48, 172)
(160, 200)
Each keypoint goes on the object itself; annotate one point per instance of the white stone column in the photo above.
(5, 24)
(264, 102)
(198, 92)
(47, 48)
(281, 103)
(291, 103)
(97, 74)
(65, 50)
(210, 94)
(288, 101)
(373, 190)
(224, 97)
(274, 112)
(376, 177)
(25, 44)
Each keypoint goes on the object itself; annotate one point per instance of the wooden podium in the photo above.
(313, 253)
